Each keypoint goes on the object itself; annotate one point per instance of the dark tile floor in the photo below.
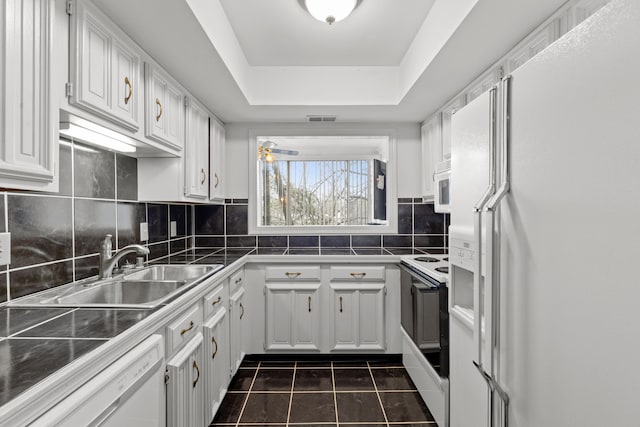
(324, 393)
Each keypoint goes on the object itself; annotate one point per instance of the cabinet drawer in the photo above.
(214, 301)
(293, 272)
(236, 280)
(357, 273)
(184, 328)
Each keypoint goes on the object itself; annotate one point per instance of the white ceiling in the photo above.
(219, 61)
(282, 33)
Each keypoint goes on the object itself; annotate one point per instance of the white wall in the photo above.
(237, 155)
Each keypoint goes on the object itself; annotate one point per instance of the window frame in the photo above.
(391, 184)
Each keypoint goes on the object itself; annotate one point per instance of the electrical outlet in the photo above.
(173, 229)
(5, 248)
(144, 231)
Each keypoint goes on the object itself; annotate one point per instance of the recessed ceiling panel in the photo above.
(282, 33)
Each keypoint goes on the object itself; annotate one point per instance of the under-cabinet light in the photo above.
(93, 134)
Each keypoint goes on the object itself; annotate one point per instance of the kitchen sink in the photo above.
(145, 288)
(170, 272)
(123, 293)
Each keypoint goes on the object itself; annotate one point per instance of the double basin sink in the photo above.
(143, 288)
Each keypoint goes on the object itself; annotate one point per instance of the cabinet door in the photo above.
(185, 386)
(358, 317)
(164, 109)
(174, 99)
(105, 68)
(533, 45)
(236, 347)
(125, 84)
(28, 113)
(345, 316)
(306, 320)
(292, 316)
(371, 319)
(94, 58)
(216, 162)
(196, 168)
(447, 112)
(431, 153)
(216, 356)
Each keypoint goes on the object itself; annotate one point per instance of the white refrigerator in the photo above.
(545, 273)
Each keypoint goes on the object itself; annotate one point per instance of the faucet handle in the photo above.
(105, 247)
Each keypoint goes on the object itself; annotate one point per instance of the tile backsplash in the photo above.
(419, 227)
(55, 237)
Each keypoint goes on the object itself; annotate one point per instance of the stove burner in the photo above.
(426, 259)
(442, 269)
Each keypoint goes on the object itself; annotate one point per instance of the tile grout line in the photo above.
(386, 420)
(293, 381)
(335, 395)
(246, 399)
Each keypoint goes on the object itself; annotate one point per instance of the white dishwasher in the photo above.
(129, 392)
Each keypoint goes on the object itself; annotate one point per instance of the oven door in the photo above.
(441, 191)
(419, 310)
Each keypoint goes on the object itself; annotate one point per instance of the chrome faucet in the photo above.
(107, 262)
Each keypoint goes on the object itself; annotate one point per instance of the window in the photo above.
(316, 192)
(321, 184)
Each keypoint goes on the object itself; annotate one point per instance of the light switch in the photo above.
(5, 248)
(173, 229)
(144, 231)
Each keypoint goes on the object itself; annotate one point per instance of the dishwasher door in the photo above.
(129, 392)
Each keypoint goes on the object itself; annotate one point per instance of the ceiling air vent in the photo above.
(321, 119)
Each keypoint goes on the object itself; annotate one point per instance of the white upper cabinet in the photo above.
(431, 153)
(105, 68)
(533, 45)
(216, 162)
(582, 9)
(197, 151)
(28, 112)
(448, 111)
(164, 109)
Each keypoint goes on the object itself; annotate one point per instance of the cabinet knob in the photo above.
(127, 82)
(159, 104)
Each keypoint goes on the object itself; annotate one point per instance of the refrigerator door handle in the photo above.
(491, 294)
(477, 222)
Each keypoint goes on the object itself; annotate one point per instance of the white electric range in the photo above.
(435, 266)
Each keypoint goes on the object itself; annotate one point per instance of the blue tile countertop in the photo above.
(37, 342)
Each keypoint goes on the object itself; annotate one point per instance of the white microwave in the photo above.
(442, 188)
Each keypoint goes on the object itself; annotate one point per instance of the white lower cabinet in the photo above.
(236, 329)
(185, 386)
(216, 361)
(292, 316)
(358, 319)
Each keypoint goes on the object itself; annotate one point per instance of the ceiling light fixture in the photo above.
(330, 11)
